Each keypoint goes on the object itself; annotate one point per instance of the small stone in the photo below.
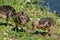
(5, 34)
(31, 18)
(19, 27)
(4, 38)
(29, 0)
(11, 39)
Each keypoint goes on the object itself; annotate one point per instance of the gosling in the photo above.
(44, 24)
(6, 12)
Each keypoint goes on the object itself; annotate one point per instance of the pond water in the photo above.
(54, 5)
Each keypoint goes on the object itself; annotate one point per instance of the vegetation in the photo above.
(35, 12)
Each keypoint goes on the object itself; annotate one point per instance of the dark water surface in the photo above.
(54, 5)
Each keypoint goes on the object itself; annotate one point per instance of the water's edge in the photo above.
(54, 5)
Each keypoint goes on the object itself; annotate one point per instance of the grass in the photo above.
(34, 13)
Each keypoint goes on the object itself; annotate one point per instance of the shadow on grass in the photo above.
(5, 24)
(22, 30)
(18, 30)
(42, 33)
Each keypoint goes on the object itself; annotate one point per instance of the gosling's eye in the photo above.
(21, 17)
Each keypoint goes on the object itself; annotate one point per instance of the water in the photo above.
(53, 4)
